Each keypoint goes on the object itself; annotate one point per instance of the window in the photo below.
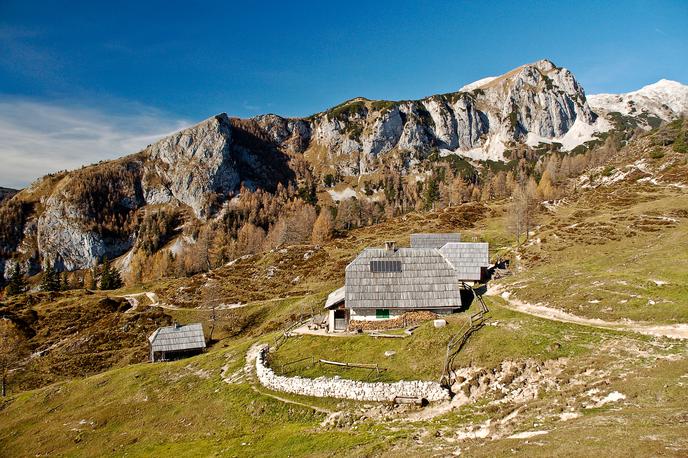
(381, 314)
(385, 266)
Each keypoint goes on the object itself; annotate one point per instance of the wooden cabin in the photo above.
(383, 283)
(175, 342)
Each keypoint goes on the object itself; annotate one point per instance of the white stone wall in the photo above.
(335, 387)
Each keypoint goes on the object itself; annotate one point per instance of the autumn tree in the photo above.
(293, 227)
(532, 205)
(212, 298)
(522, 210)
(516, 215)
(545, 189)
(323, 227)
(250, 239)
(91, 279)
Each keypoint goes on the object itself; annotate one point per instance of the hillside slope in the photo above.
(529, 386)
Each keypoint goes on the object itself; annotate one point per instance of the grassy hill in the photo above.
(527, 385)
(188, 408)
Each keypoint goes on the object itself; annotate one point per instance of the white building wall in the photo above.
(371, 314)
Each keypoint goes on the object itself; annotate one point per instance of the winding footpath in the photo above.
(674, 331)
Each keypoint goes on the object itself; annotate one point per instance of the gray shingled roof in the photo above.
(433, 240)
(467, 258)
(426, 280)
(175, 338)
(335, 297)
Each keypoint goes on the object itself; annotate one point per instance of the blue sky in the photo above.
(132, 71)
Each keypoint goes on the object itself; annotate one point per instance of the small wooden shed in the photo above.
(177, 341)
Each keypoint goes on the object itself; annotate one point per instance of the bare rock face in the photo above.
(65, 243)
(186, 168)
(192, 164)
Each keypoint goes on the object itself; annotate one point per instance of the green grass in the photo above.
(157, 409)
(621, 264)
(184, 408)
(507, 335)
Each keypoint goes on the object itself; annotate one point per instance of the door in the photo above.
(339, 320)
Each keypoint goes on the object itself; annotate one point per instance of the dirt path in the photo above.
(134, 300)
(675, 331)
(289, 401)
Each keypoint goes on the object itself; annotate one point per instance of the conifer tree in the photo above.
(110, 278)
(17, 283)
(432, 193)
(51, 279)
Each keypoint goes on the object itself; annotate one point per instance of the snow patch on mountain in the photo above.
(477, 84)
(664, 99)
(580, 133)
(344, 194)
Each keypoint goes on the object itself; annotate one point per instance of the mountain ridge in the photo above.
(383, 148)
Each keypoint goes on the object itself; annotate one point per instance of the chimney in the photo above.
(391, 246)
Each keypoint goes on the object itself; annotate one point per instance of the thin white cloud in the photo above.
(37, 138)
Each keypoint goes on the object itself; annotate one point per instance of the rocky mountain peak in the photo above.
(649, 105)
(191, 164)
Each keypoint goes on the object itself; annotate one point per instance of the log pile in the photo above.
(402, 321)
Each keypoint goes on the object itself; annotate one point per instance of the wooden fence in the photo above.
(475, 322)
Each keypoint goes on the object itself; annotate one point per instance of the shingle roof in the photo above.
(426, 280)
(433, 240)
(335, 297)
(174, 338)
(467, 258)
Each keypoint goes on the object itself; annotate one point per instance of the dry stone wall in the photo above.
(335, 387)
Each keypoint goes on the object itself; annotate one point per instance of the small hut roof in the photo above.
(177, 337)
(434, 240)
(335, 297)
(467, 258)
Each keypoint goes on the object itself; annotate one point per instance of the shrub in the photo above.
(657, 153)
(680, 144)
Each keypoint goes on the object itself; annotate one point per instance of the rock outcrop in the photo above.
(190, 168)
(191, 165)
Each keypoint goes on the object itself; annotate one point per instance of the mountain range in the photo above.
(71, 220)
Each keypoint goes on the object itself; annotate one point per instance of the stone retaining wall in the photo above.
(334, 387)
